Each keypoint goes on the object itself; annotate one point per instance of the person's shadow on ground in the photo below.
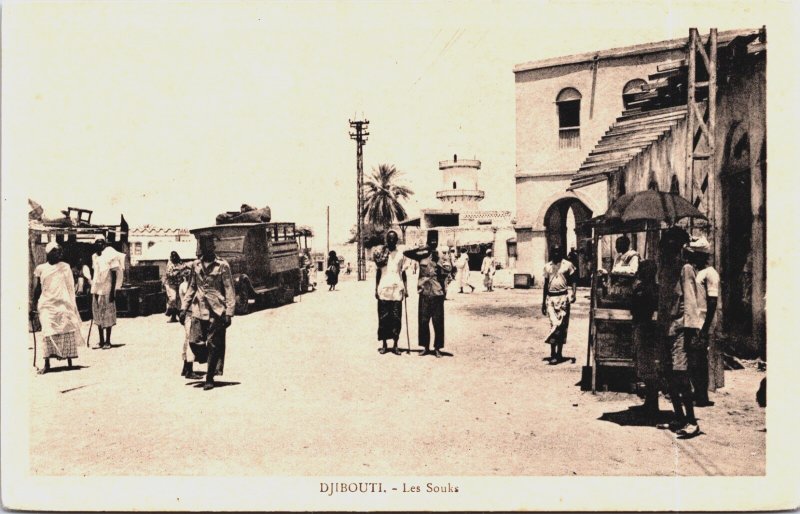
(562, 360)
(200, 383)
(418, 351)
(63, 368)
(637, 418)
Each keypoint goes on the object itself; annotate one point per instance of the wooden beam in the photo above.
(634, 120)
(677, 109)
(642, 128)
(613, 156)
(639, 143)
(700, 46)
(602, 164)
(691, 61)
(700, 123)
(672, 65)
(631, 138)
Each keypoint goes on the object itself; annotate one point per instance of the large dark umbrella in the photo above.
(652, 206)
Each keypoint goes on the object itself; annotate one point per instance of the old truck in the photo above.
(264, 260)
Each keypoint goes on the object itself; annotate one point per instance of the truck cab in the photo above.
(263, 259)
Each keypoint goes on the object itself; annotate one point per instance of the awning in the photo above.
(470, 239)
(412, 222)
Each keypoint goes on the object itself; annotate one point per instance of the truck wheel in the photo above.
(242, 303)
(288, 294)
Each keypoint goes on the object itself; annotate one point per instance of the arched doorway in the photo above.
(736, 265)
(565, 227)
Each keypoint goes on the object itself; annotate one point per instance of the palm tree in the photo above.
(382, 196)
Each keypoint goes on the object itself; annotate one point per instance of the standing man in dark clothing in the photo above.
(707, 290)
(683, 333)
(212, 299)
(430, 287)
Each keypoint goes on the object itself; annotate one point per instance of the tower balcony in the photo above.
(461, 163)
(471, 194)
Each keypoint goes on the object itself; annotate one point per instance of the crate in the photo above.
(143, 273)
(148, 287)
(127, 300)
(153, 303)
(523, 281)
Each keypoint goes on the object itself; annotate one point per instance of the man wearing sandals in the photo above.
(685, 323)
(390, 290)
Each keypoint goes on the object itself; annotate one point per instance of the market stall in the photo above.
(641, 218)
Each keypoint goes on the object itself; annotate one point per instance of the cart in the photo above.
(610, 343)
(642, 216)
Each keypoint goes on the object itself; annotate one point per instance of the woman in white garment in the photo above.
(54, 302)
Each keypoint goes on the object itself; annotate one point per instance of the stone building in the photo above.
(146, 237)
(459, 220)
(645, 145)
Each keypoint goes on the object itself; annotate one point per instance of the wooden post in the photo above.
(691, 60)
(716, 364)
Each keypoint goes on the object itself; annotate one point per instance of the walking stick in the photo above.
(405, 309)
(91, 322)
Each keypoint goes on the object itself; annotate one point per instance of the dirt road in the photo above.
(305, 392)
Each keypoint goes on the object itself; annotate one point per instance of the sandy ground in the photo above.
(305, 392)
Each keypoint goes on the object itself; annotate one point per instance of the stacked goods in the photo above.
(246, 214)
(144, 293)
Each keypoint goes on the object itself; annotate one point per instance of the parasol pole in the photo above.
(33, 330)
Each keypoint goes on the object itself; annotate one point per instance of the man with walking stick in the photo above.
(53, 303)
(390, 290)
(431, 295)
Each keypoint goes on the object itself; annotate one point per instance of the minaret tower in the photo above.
(460, 180)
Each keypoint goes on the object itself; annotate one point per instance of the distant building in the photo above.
(145, 237)
(459, 220)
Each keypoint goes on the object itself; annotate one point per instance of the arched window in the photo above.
(568, 103)
(631, 89)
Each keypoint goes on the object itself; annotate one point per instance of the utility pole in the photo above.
(359, 134)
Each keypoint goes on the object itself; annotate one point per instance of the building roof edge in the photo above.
(625, 51)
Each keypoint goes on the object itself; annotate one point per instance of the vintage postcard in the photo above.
(345, 255)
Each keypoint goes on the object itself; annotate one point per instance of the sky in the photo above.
(170, 113)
